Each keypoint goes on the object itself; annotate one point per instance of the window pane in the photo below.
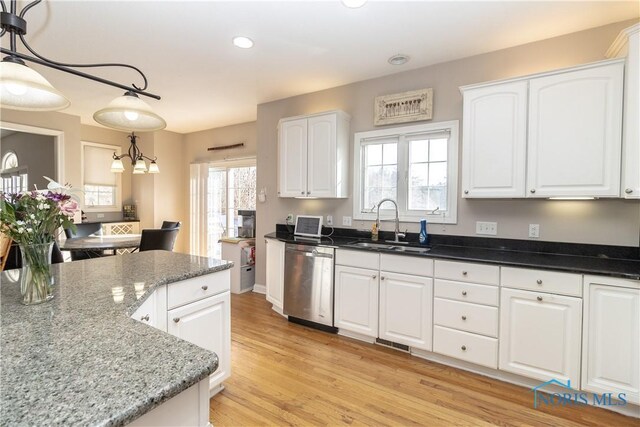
(390, 154)
(438, 150)
(437, 174)
(419, 151)
(419, 175)
(389, 176)
(371, 197)
(437, 199)
(106, 199)
(373, 177)
(418, 198)
(373, 154)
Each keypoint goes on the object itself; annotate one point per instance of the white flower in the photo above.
(20, 230)
(29, 230)
(32, 216)
(20, 222)
(41, 206)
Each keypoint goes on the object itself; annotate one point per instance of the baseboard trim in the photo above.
(260, 289)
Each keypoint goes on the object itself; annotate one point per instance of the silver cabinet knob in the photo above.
(176, 319)
(374, 276)
(145, 318)
(628, 191)
(539, 281)
(302, 192)
(308, 192)
(466, 191)
(464, 317)
(205, 287)
(463, 348)
(464, 293)
(381, 277)
(464, 273)
(539, 298)
(532, 191)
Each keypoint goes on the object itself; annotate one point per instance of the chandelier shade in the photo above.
(129, 113)
(22, 88)
(153, 167)
(117, 166)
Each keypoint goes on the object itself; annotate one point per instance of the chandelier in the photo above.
(137, 159)
(22, 88)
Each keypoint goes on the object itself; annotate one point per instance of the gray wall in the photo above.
(614, 222)
(37, 152)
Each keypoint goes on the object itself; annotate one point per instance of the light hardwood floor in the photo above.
(286, 374)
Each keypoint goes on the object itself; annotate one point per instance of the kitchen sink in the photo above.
(409, 249)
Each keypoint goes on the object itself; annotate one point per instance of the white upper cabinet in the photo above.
(313, 156)
(575, 133)
(494, 141)
(627, 44)
(555, 134)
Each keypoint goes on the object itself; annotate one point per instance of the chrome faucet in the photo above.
(397, 232)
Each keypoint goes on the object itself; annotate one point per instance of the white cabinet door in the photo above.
(575, 132)
(405, 309)
(540, 335)
(611, 362)
(321, 151)
(207, 323)
(292, 158)
(494, 141)
(356, 300)
(275, 272)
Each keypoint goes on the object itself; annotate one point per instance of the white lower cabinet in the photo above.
(405, 309)
(611, 353)
(540, 335)
(275, 273)
(356, 300)
(206, 323)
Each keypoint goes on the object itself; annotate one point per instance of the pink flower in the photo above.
(69, 207)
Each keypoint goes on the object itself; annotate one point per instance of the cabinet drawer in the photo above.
(360, 259)
(465, 272)
(542, 281)
(465, 346)
(417, 266)
(475, 318)
(197, 288)
(467, 292)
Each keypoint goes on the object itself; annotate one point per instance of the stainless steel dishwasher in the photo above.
(308, 284)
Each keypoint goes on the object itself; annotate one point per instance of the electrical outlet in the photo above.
(534, 231)
(330, 220)
(487, 228)
(99, 216)
(346, 221)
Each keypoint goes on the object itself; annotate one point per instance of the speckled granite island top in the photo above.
(80, 359)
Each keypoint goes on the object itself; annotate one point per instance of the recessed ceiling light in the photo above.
(354, 4)
(243, 42)
(399, 59)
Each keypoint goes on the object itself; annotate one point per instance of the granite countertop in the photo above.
(80, 359)
(520, 257)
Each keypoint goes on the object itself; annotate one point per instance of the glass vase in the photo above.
(36, 280)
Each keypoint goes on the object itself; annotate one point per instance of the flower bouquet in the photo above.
(32, 219)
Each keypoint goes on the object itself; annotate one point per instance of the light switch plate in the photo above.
(487, 228)
(534, 231)
(346, 221)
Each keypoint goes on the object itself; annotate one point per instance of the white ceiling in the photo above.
(185, 49)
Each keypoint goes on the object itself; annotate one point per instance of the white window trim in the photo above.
(451, 215)
(118, 196)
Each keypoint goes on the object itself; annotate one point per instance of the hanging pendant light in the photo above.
(128, 112)
(22, 88)
(153, 167)
(140, 166)
(117, 166)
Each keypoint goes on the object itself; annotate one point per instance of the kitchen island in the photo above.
(81, 359)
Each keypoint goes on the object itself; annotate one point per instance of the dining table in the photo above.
(101, 243)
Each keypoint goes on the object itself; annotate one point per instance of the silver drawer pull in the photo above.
(381, 277)
(539, 298)
(533, 190)
(145, 318)
(464, 293)
(176, 319)
(464, 317)
(628, 191)
(466, 191)
(539, 282)
(464, 273)
(205, 287)
(374, 276)
(463, 348)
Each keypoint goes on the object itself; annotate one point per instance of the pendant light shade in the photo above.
(117, 166)
(129, 113)
(22, 88)
(140, 166)
(153, 167)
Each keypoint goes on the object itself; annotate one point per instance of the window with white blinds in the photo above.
(101, 187)
(416, 166)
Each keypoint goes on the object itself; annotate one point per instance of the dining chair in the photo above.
(84, 230)
(14, 256)
(170, 224)
(158, 239)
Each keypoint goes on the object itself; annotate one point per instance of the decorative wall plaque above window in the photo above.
(404, 107)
